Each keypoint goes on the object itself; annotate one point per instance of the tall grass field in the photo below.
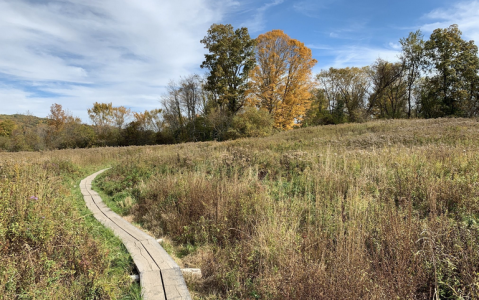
(377, 210)
(51, 247)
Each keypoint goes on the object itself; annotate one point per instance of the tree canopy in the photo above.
(230, 58)
(452, 66)
(281, 82)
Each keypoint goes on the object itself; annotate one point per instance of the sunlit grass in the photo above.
(50, 244)
(379, 210)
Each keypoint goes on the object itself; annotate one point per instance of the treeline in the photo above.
(253, 87)
(433, 78)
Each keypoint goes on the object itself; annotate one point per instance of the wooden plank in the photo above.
(161, 257)
(85, 193)
(140, 256)
(131, 229)
(152, 285)
(158, 271)
(174, 284)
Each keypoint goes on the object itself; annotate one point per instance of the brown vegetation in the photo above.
(380, 210)
(50, 246)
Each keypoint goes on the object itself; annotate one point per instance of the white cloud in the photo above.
(357, 56)
(18, 100)
(350, 32)
(121, 51)
(395, 46)
(257, 22)
(319, 46)
(311, 8)
(465, 14)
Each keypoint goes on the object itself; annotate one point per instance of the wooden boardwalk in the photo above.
(160, 276)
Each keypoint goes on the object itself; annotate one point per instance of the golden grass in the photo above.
(379, 210)
(50, 247)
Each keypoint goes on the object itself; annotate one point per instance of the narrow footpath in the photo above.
(160, 276)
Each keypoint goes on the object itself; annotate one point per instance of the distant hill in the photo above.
(20, 120)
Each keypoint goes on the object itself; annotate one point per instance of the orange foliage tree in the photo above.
(57, 117)
(281, 81)
(120, 116)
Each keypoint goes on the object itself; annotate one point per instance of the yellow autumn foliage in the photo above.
(281, 81)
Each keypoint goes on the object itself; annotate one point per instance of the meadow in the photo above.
(376, 210)
(51, 247)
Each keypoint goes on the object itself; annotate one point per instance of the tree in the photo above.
(190, 98)
(346, 90)
(57, 117)
(388, 98)
(101, 114)
(145, 129)
(281, 81)
(453, 68)
(185, 105)
(251, 122)
(172, 107)
(412, 59)
(149, 120)
(7, 127)
(230, 58)
(318, 113)
(120, 116)
(60, 133)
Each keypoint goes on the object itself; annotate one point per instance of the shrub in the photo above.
(251, 123)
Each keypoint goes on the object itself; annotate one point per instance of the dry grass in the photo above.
(380, 210)
(51, 248)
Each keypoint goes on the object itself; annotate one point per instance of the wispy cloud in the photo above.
(351, 31)
(120, 51)
(257, 22)
(395, 46)
(312, 8)
(465, 14)
(319, 46)
(355, 56)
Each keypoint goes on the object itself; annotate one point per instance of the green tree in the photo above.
(388, 97)
(6, 127)
(230, 59)
(453, 68)
(101, 114)
(318, 113)
(412, 59)
(346, 91)
(252, 122)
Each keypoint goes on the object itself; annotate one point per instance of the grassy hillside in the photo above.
(26, 121)
(380, 210)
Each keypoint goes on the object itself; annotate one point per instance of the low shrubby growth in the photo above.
(50, 245)
(381, 210)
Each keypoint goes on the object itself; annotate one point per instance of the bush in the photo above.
(251, 123)
(47, 253)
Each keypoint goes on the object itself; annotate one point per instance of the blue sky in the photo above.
(76, 52)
